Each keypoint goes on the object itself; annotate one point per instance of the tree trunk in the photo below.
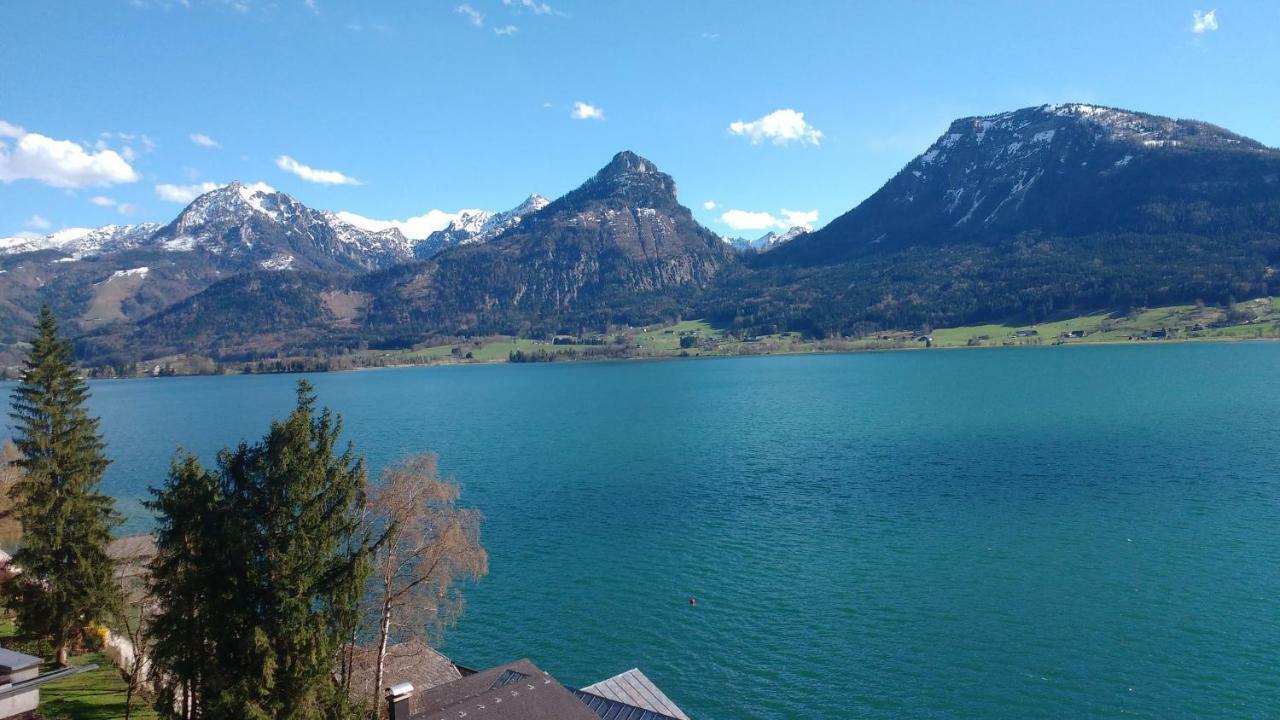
(384, 629)
(63, 652)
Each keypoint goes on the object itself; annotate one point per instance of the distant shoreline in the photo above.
(722, 356)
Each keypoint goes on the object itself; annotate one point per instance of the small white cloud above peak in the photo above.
(473, 15)
(102, 201)
(1203, 22)
(204, 141)
(751, 220)
(415, 228)
(586, 111)
(60, 163)
(314, 175)
(799, 218)
(782, 127)
(709, 205)
(38, 222)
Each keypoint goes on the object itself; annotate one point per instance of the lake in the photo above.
(1071, 532)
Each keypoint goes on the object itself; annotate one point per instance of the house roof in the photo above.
(515, 691)
(12, 661)
(412, 662)
(132, 548)
(634, 688)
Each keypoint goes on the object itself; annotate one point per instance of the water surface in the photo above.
(1055, 532)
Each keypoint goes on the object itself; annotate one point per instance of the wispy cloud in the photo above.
(204, 140)
(506, 30)
(314, 175)
(538, 8)
(311, 5)
(59, 163)
(709, 205)
(38, 222)
(782, 127)
(1203, 22)
(473, 15)
(710, 36)
(102, 201)
(586, 111)
(749, 220)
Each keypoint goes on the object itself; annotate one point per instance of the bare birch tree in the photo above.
(429, 546)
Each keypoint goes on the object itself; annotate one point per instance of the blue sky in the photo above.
(438, 105)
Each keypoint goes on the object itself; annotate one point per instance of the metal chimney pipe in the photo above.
(398, 700)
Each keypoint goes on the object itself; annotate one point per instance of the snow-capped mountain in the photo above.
(1064, 170)
(478, 226)
(767, 241)
(257, 225)
(77, 243)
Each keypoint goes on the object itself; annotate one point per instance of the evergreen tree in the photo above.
(260, 570)
(66, 581)
(184, 586)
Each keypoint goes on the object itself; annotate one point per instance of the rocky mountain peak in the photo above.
(630, 179)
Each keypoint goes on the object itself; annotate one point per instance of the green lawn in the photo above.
(92, 695)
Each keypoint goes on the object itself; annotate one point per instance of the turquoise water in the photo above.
(1057, 532)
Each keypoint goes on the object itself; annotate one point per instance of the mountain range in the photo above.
(1021, 215)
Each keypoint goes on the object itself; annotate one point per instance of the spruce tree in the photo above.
(185, 587)
(260, 572)
(66, 581)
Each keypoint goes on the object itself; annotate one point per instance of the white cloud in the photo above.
(184, 193)
(102, 201)
(311, 5)
(780, 126)
(709, 205)
(126, 208)
(803, 218)
(586, 111)
(710, 36)
(748, 220)
(538, 8)
(506, 30)
(38, 222)
(472, 14)
(204, 141)
(415, 228)
(314, 175)
(59, 163)
(1204, 22)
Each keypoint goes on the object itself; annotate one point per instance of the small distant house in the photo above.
(1159, 334)
(1076, 333)
(131, 555)
(1026, 333)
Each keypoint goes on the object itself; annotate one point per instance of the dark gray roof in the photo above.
(12, 660)
(515, 691)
